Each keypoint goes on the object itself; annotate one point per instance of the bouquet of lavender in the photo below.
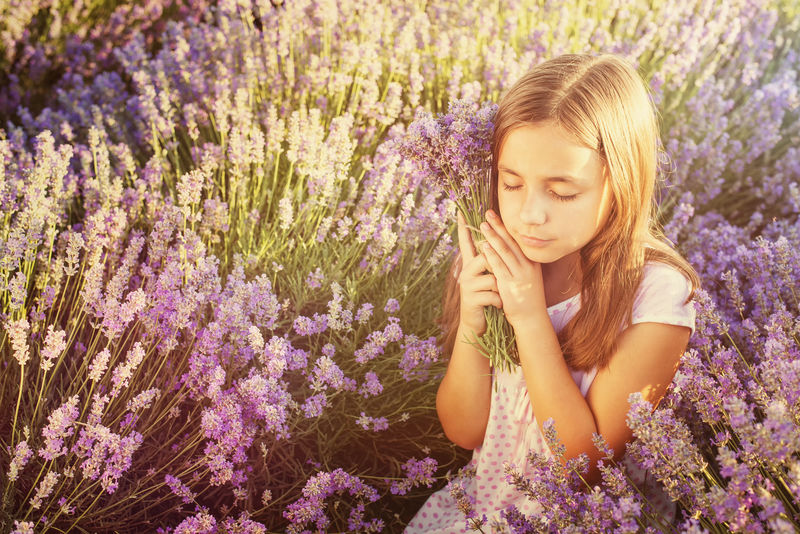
(453, 150)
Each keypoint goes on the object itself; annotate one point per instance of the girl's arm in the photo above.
(645, 360)
(464, 395)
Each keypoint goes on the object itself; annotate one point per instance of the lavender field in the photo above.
(220, 278)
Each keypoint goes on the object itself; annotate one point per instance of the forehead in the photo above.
(546, 151)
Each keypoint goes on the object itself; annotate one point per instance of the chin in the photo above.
(541, 256)
(545, 255)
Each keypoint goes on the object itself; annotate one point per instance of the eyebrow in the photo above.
(564, 179)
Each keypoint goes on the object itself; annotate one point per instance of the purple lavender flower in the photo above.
(418, 472)
(180, 489)
(313, 405)
(418, 356)
(314, 279)
(392, 306)
(378, 423)
(23, 527)
(465, 503)
(453, 150)
(22, 453)
(44, 489)
(18, 333)
(201, 523)
(371, 385)
(59, 427)
(311, 507)
(243, 524)
(54, 345)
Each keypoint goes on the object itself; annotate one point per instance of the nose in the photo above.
(534, 210)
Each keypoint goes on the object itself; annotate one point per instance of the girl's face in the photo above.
(552, 192)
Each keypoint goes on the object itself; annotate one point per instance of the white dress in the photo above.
(512, 429)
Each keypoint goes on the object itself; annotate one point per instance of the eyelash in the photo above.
(561, 198)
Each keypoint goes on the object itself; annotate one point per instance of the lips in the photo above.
(533, 241)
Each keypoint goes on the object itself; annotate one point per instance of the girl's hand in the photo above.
(478, 288)
(519, 280)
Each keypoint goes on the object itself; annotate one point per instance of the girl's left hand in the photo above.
(519, 280)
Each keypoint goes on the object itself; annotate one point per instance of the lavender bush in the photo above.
(220, 276)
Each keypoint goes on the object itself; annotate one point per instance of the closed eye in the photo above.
(511, 187)
(563, 198)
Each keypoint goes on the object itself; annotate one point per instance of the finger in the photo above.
(502, 241)
(496, 263)
(485, 282)
(489, 298)
(476, 266)
(464, 239)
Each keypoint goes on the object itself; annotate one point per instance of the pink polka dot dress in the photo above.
(513, 430)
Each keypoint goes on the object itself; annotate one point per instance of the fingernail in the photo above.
(490, 214)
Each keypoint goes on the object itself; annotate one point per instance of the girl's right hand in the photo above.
(478, 286)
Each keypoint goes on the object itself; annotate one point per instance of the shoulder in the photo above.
(663, 297)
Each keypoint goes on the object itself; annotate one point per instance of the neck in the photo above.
(562, 279)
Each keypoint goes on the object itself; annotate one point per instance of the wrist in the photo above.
(530, 322)
(469, 331)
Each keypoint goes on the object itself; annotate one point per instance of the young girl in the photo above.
(599, 303)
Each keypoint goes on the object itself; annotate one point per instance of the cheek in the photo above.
(504, 206)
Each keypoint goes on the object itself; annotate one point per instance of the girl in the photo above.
(599, 303)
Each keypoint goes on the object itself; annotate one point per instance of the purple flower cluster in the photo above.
(418, 357)
(453, 151)
(465, 503)
(378, 340)
(311, 507)
(106, 454)
(418, 472)
(60, 426)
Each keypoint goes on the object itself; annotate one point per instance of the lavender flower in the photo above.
(314, 405)
(418, 472)
(466, 504)
(123, 372)
(107, 455)
(18, 333)
(22, 453)
(23, 527)
(18, 290)
(59, 427)
(314, 279)
(311, 507)
(143, 400)
(453, 150)
(418, 356)
(392, 306)
(179, 489)
(378, 423)
(201, 523)
(44, 489)
(371, 385)
(99, 364)
(54, 345)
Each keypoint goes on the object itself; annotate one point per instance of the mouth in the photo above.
(533, 241)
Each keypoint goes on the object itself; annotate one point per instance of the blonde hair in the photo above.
(604, 103)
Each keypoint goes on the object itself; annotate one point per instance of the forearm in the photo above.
(552, 390)
(464, 395)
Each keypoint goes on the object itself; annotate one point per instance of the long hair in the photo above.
(605, 105)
